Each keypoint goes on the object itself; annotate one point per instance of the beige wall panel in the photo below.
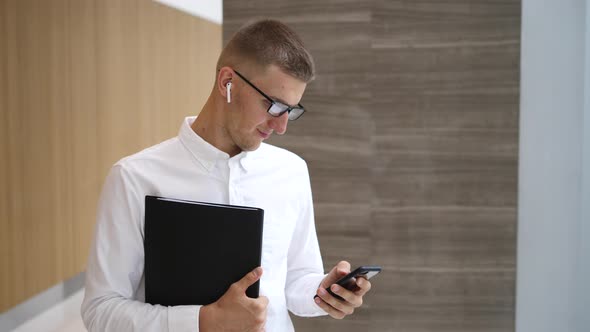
(84, 83)
(5, 248)
(86, 168)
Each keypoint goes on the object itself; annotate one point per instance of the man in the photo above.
(219, 157)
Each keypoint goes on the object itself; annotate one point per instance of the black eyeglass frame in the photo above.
(284, 108)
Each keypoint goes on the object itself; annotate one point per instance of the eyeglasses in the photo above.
(277, 108)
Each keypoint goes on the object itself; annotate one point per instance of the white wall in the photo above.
(583, 272)
(553, 218)
(211, 10)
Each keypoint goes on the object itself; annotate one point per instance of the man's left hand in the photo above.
(352, 298)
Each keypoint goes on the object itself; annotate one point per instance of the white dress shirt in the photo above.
(187, 167)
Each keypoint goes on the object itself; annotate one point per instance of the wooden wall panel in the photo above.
(5, 232)
(87, 167)
(446, 162)
(411, 139)
(83, 83)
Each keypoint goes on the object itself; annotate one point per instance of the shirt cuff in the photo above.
(184, 318)
(316, 309)
(306, 306)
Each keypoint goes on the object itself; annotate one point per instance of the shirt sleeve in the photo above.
(305, 269)
(116, 263)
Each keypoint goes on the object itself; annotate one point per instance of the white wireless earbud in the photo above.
(228, 88)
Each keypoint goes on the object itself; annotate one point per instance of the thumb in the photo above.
(249, 279)
(340, 270)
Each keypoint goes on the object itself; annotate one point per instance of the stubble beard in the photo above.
(246, 143)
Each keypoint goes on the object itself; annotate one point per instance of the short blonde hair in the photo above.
(269, 42)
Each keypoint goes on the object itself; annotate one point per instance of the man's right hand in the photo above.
(235, 311)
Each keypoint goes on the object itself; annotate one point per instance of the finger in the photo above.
(364, 286)
(263, 300)
(260, 304)
(337, 272)
(333, 312)
(258, 309)
(343, 267)
(349, 296)
(248, 279)
(342, 306)
(260, 318)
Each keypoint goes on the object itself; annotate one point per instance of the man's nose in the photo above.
(279, 124)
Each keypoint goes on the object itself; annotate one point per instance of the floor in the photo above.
(63, 317)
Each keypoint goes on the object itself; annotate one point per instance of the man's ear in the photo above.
(224, 76)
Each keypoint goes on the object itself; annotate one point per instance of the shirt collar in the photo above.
(205, 153)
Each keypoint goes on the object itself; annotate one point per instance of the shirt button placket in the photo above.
(234, 194)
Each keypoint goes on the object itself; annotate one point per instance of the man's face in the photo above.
(249, 123)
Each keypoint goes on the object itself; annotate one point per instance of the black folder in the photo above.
(194, 251)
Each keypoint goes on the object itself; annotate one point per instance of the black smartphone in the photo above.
(349, 280)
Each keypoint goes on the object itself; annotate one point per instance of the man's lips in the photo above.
(263, 134)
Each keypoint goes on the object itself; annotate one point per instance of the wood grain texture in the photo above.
(411, 139)
(83, 83)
